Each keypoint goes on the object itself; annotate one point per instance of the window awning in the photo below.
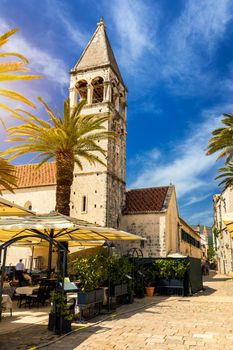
(8, 208)
(63, 229)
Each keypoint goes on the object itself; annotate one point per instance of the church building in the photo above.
(98, 193)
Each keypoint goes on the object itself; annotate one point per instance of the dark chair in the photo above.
(40, 297)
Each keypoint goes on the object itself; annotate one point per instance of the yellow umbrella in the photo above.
(8, 208)
(63, 229)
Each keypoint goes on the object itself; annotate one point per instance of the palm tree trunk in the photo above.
(65, 171)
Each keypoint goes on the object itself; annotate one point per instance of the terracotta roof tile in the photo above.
(30, 176)
(145, 199)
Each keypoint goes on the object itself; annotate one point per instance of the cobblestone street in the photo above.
(203, 321)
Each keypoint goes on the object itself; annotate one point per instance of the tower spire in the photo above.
(101, 23)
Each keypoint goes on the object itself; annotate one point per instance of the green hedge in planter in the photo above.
(119, 269)
(171, 268)
(91, 271)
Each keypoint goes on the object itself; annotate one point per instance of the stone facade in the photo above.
(223, 204)
(189, 240)
(162, 229)
(41, 199)
(96, 77)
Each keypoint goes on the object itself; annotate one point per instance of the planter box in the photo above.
(54, 324)
(176, 283)
(86, 298)
(51, 324)
(62, 327)
(163, 282)
(171, 287)
(119, 289)
(99, 295)
(124, 288)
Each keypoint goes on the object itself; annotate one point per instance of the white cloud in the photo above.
(59, 13)
(196, 199)
(133, 20)
(41, 62)
(188, 163)
(205, 216)
(145, 158)
(192, 39)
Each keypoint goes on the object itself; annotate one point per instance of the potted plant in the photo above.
(60, 317)
(150, 275)
(119, 270)
(171, 273)
(90, 271)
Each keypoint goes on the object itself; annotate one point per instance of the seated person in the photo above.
(27, 277)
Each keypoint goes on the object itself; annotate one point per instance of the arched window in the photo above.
(82, 90)
(115, 95)
(28, 205)
(98, 90)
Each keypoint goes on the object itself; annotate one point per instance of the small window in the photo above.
(28, 205)
(84, 204)
(95, 205)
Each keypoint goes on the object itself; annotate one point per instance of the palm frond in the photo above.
(16, 96)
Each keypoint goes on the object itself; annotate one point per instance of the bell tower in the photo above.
(98, 191)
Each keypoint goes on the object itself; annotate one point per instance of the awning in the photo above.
(228, 221)
(64, 229)
(8, 208)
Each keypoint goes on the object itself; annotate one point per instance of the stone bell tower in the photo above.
(98, 191)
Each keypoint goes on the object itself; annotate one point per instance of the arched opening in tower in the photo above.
(98, 90)
(115, 97)
(81, 87)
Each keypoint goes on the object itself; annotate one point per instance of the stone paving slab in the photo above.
(200, 322)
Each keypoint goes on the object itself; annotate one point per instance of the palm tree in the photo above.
(9, 67)
(68, 139)
(7, 171)
(7, 175)
(222, 139)
(226, 173)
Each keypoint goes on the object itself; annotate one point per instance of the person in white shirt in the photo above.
(19, 268)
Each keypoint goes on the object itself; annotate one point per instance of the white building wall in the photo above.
(42, 199)
(224, 245)
(16, 253)
(150, 226)
(93, 186)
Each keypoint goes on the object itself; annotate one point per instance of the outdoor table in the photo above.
(7, 302)
(25, 291)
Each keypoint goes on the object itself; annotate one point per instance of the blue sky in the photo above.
(176, 59)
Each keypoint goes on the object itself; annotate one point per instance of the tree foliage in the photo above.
(69, 139)
(9, 71)
(222, 140)
(226, 175)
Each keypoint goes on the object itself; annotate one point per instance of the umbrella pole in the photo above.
(31, 263)
(50, 253)
(2, 280)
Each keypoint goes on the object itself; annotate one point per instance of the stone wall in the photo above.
(102, 185)
(150, 226)
(224, 246)
(42, 199)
